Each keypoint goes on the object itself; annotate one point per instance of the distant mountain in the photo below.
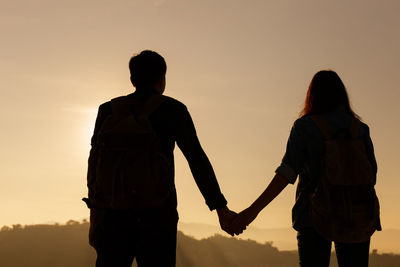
(282, 238)
(66, 246)
(386, 241)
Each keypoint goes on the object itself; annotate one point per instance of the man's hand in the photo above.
(226, 217)
(243, 219)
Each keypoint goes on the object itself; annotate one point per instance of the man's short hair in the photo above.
(147, 68)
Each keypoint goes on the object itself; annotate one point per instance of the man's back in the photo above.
(149, 234)
(172, 123)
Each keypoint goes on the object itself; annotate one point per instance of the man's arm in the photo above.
(103, 112)
(202, 171)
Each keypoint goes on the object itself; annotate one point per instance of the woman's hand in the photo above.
(243, 219)
(226, 216)
(275, 187)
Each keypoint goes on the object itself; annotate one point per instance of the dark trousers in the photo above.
(315, 251)
(123, 236)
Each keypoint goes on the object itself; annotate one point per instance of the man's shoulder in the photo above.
(105, 108)
(169, 103)
(172, 103)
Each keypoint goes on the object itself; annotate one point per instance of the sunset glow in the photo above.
(241, 67)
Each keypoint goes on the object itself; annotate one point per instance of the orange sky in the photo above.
(242, 69)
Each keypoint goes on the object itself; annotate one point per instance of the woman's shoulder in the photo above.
(364, 129)
(304, 123)
(306, 127)
(303, 120)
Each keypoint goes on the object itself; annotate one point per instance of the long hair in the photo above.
(325, 93)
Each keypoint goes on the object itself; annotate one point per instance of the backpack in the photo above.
(130, 169)
(344, 206)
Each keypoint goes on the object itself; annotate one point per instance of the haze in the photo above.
(241, 67)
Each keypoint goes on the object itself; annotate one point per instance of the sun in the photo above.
(87, 128)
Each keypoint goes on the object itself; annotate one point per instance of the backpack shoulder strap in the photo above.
(322, 125)
(121, 105)
(354, 128)
(152, 104)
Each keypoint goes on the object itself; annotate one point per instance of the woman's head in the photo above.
(325, 93)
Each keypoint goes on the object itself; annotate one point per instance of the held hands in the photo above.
(233, 223)
(226, 217)
(236, 224)
(243, 219)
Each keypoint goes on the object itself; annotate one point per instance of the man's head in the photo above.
(148, 70)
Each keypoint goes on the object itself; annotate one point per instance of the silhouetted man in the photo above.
(136, 217)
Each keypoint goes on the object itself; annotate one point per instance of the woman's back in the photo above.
(304, 152)
(305, 157)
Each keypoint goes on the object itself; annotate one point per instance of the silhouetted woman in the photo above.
(332, 153)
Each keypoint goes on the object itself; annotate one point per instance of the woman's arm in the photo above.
(287, 172)
(275, 187)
